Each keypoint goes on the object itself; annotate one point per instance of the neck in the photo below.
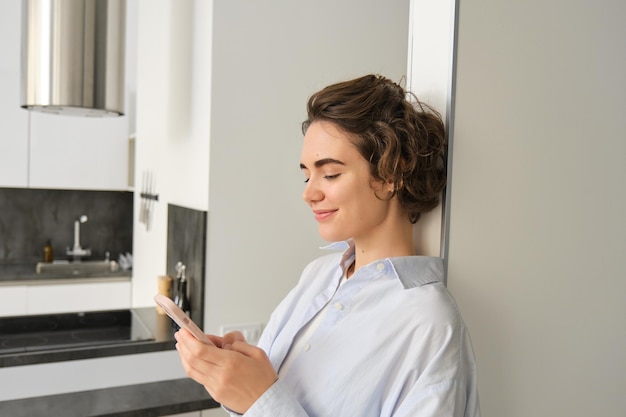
(391, 242)
(350, 270)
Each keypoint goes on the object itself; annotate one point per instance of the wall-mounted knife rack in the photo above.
(148, 198)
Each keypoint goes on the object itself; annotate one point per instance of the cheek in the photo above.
(334, 193)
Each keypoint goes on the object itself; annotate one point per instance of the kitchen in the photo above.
(216, 81)
(534, 252)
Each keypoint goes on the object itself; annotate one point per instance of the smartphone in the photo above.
(181, 318)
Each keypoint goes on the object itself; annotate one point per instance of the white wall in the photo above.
(537, 229)
(173, 120)
(268, 58)
(430, 65)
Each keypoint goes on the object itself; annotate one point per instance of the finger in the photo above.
(194, 351)
(247, 349)
(186, 339)
(200, 361)
(219, 341)
(232, 337)
(183, 335)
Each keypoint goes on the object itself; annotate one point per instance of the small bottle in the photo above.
(176, 282)
(182, 297)
(48, 253)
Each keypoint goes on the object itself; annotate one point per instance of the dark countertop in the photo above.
(19, 274)
(142, 400)
(159, 325)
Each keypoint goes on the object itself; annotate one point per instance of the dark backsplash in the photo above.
(30, 217)
(186, 242)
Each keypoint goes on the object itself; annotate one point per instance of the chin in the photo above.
(332, 235)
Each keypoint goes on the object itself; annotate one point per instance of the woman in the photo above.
(371, 331)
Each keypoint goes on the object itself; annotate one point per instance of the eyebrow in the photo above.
(322, 162)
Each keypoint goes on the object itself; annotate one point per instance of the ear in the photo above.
(389, 187)
(386, 190)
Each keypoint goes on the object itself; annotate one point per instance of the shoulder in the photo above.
(424, 293)
(435, 304)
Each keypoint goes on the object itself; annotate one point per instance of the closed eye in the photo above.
(327, 177)
(321, 163)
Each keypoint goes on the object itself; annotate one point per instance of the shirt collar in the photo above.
(412, 271)
(347, 247)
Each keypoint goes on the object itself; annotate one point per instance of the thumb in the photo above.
(229, 338)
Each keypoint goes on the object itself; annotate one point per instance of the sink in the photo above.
(77, 268)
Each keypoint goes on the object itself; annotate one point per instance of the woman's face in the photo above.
(339, 188)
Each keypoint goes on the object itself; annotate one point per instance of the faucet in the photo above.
(77, 251)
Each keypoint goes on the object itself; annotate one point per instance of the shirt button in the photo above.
(338, 306)
(380, 266)
(307, 347)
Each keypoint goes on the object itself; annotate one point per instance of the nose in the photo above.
(312, 193)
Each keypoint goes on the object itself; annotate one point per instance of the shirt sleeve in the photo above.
(275, 402)
(445, 399)
(453, 395)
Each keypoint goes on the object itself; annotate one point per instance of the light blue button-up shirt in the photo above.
(396, 346)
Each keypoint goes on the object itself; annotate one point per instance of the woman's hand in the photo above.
(234, 372)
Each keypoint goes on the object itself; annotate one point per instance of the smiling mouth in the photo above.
(321, 215)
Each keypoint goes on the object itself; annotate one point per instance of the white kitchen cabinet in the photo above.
(62, 296)
(110, 294)
(13, 119)
(12, 300)
(68, 152)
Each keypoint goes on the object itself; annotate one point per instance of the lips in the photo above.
(321, 215)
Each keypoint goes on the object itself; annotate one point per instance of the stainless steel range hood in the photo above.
(73, 56)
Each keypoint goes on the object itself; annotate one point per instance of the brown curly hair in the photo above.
(404, 141)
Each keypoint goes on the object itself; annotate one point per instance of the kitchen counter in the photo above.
(159, 325)
(154, 399)
(20, 274)
(142, 400)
